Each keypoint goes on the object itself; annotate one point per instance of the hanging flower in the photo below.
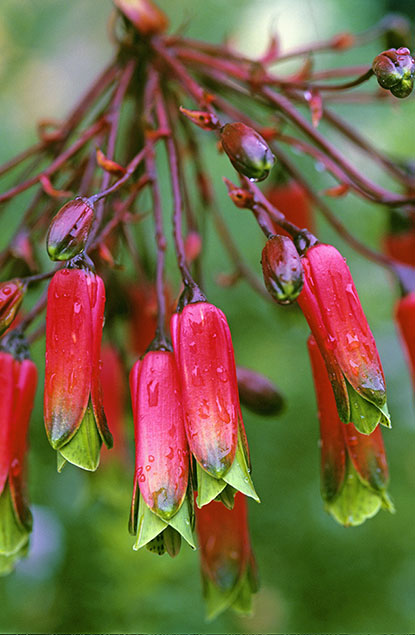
(18, 379)
(354, 471)
(160, 511)
(405, 317)
(74, 415)
(114, 398)
(335, 316)
(228, 566)
(203, 348)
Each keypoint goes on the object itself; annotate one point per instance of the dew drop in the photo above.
(150, 458)
(77, 307)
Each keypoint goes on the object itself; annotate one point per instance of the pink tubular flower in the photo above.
(354, 472)
(114, 398)
(161, 476)
(227, 562)
(18, 379)
(333, 311)
(74, 415)
(213, 420)
(405, 317)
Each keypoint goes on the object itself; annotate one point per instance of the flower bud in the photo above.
(248, 152)
(258, 393)
(11, 296)
(395, 71)
(145, 16)
(69, 230)
(282, 269)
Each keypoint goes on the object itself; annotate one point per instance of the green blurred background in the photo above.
(82, 574)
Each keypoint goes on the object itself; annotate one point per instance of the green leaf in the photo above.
(83, 450)
(238, 476)
(149, 526)
(238, 597)
(13, 535)
(364, 415)
(356, 502)
(208, 487)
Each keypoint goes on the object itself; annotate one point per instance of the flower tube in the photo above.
(113, 383)
(203, 348)
(405, 317)
(160, 511)
(74, 416)
(354, 471)
(333, 311)
(228, 566)
(18, 379)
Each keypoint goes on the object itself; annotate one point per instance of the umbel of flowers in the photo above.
(192, 463)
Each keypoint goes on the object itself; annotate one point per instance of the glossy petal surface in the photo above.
(205, 360)
(162, 456)
(69, 354)
(6, 410)
(353, 343)
(333, 447)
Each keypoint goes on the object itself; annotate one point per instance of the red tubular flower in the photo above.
(333, 311)
(18, 379)
(292, 200)
(401, 247)
(114, 397)
(227, 562)
(405, 317)
(213, 421)
(354, 472)
(162, 455)
(74, 415)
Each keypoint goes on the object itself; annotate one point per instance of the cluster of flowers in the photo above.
(192, 463)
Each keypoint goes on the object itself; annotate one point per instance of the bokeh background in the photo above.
(82, 574)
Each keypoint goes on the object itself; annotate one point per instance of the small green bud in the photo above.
(248, 152)
(69, 230)
(282, 269)
(395, 71)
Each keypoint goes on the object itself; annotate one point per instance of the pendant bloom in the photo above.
(74, 416)
(212, 414)
(18, 379)
(160, 511)
(405, 317)
(228, 566)
(113, 382)
(335, 316)
(354, 471)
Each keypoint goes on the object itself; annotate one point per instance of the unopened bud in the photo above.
(248, 152)
(258, 393)
(69, 230)
(147, 18)
(11, 296)
(282, 269)
(395, 71)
